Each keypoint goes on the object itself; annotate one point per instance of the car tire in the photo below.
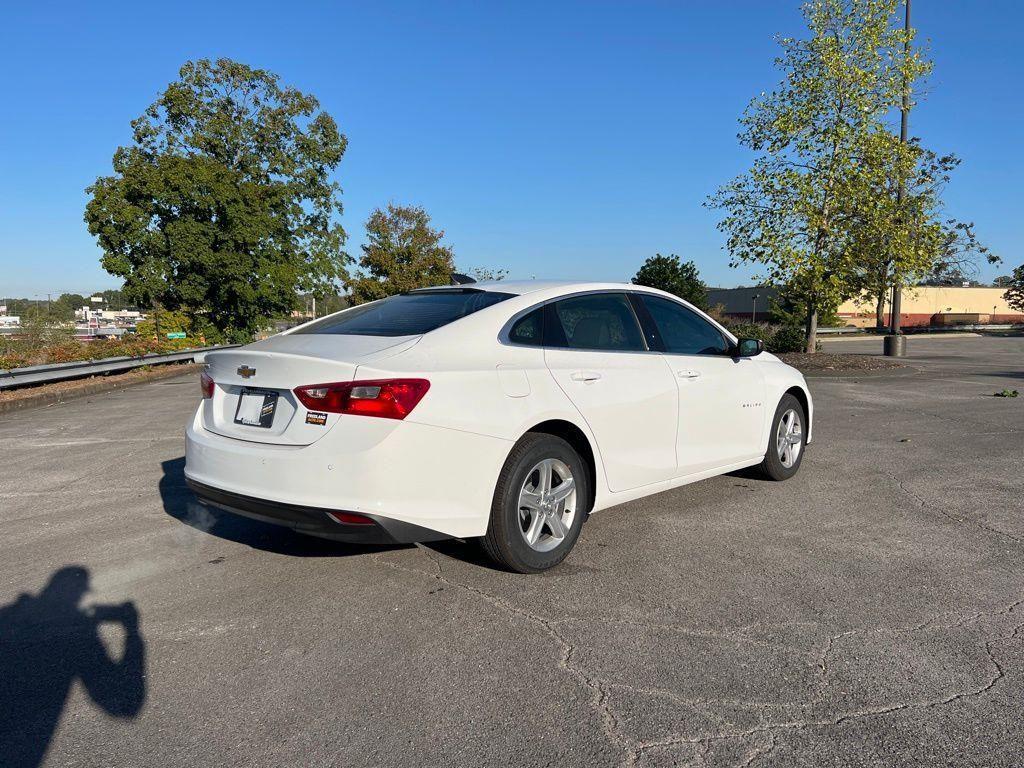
(535, 516)
(786, 440)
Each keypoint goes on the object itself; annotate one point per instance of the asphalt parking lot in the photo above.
(868, 612)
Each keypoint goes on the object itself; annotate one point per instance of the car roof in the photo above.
(523, 287)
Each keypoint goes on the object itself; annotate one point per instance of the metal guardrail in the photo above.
(45, 374)
(911, 330)
(839, 331)
(977, 327)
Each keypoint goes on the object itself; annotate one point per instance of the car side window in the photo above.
(602, 321)
(682, 331)
(528, 329)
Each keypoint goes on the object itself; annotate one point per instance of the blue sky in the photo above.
(550, 139)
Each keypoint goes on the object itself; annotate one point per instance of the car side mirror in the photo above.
(748, 348)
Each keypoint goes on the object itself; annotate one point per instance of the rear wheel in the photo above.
(539, 505)
(786, 441)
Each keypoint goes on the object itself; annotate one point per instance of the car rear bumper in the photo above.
(407, 477)
(315, 521)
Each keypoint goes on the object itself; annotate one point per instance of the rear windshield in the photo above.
(408, 314)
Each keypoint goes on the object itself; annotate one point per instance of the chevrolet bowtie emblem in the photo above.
(246, 372)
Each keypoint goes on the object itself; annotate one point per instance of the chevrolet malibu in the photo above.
(505, 411)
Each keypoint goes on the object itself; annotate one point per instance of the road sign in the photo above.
(176, 335)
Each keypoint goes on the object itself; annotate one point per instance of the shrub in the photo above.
(10, 359)
(199, 330)
(21, 352)
(787, 338)
(747, 330)
(776, 338)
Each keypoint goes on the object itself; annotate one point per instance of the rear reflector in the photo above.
(350, 518)
(384, 398)
(206, 383)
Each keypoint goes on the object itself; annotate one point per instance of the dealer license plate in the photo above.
(256, 407)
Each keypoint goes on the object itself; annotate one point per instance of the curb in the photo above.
(100, 385)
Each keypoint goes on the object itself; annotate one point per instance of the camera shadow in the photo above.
(47, 642)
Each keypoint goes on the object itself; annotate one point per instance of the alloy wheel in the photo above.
(547, 505)
(789, 439)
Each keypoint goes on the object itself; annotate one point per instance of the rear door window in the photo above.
(528, 329)
(408, 314)
(601, 321)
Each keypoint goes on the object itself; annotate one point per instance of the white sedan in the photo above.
(508, 411)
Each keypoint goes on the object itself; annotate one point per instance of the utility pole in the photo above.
(896, 343)
(753, 311)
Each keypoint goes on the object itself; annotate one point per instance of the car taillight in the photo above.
(206, 383)
(385, 398)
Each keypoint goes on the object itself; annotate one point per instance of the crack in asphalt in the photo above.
(633, 750)
(924, 504)
(771, 729)
(598, 695)
(735, 635)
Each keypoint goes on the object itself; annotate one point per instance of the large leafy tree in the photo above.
(668, 273)
(794, 210)
(402, 252)
(900, 237)
(223, 204)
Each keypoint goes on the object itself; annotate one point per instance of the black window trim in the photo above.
(648, 328)
(447, 289)
(551, 324)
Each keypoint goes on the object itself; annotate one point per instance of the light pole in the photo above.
(753, 311)
(895, 344)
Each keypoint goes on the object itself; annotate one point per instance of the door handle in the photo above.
(584, 375)
(688, 374)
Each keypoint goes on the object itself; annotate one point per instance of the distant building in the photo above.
(10, 321)
(740, 303)
(927, 305)
(922, 305)
(121, 318)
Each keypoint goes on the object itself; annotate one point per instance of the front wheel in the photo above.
(539, 505)
(786, 440)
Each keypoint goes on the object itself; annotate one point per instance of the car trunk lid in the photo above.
(253, 398)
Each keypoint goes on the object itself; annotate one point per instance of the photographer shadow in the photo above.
(47, 642)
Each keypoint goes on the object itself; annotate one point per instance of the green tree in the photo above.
(196, 327)
(487, 275)
(789, 309)
(668, 274)
(170, 322)
(1015, 291)
(223, 204)
(794, 209)
(402, 252)
(902, 239)
(64, 306)
(114, 298)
